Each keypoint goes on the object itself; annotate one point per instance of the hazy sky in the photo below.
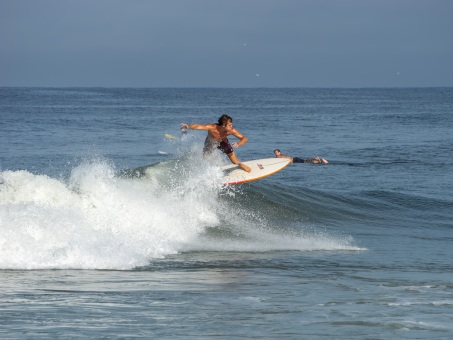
(230, 43)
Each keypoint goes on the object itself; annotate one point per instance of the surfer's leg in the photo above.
(235, 160)
(208, 147)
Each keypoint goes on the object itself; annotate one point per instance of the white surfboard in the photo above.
(261, 168)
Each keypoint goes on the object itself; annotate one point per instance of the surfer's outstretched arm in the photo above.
(197, 126)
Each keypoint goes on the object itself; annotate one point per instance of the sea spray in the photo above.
(96, 219)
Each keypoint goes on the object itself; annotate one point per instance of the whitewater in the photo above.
(97, 219)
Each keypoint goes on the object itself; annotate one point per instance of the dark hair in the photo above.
(277, 150)
(224, 120)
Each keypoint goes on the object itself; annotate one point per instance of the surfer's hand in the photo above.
(235, 144)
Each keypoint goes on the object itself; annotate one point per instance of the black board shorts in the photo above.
(298, 160)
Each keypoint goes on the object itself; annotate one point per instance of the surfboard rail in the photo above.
(261, 168)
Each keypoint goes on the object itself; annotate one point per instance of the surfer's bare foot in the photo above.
(245, 167)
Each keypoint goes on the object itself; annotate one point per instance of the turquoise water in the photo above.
(109, 229)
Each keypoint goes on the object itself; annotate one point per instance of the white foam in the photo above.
(96, 220)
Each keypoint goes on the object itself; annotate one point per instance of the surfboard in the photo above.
(261, 168)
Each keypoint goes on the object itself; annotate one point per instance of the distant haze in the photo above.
(231, 43)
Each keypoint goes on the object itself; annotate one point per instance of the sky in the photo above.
(229, 43)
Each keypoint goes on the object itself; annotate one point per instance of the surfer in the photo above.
(314, 160)
(217, 138)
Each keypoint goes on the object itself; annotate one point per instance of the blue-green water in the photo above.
(359, 248)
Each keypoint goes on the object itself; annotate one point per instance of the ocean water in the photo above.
(108, 229)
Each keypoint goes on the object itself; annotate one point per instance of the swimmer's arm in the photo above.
(285, 156)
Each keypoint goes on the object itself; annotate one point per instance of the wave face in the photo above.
(99, 218)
